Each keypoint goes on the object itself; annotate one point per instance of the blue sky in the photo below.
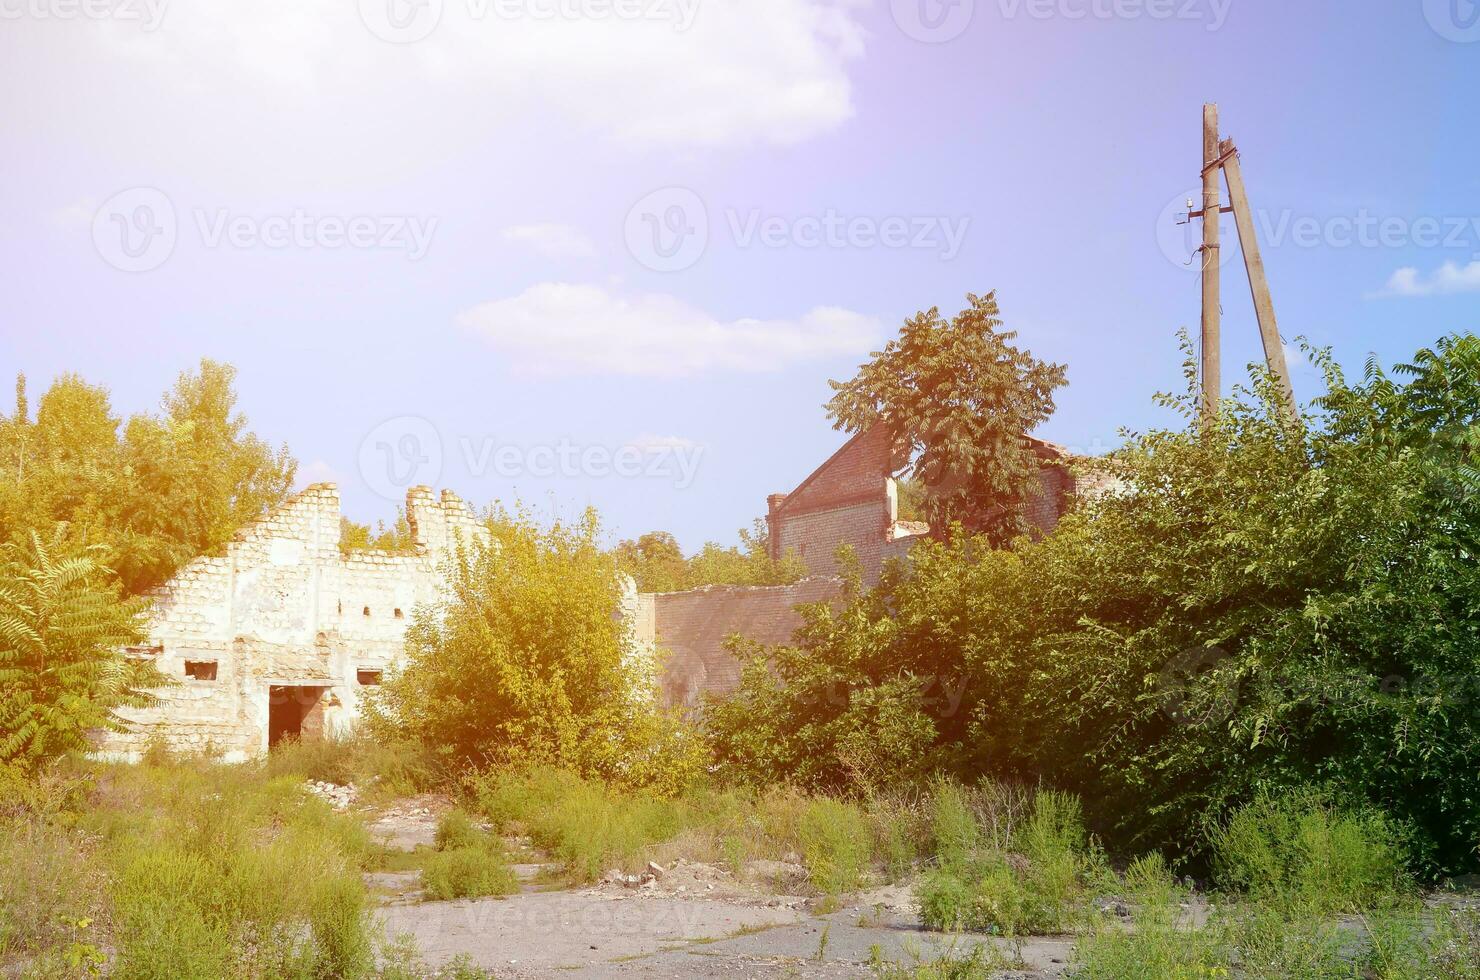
(609, 251)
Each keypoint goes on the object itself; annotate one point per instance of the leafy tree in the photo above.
(1260, 606)
(63, 673)
(528, 663)
(158, 490)
(657, 563)
(354, 536)
(959, 397)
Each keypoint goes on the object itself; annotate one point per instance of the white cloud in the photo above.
(556, 241)
(554, 328)
(1448, 279)
(259, 85)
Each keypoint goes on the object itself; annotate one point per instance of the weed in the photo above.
(468, 872)
(1299, 850)
(835, 844)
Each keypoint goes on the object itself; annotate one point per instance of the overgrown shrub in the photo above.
(215, 872)
(1254, 602)
(469, 871)
(1299, 850)
(378, 767)
(1031, 880)
(835, 845)
(456, 829)
(526, 663)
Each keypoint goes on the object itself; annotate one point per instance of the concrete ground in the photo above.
(589, 934)
(694, 921)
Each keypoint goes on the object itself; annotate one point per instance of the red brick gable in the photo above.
(855, 472)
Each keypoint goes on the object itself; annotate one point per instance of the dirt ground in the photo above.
(691, 920)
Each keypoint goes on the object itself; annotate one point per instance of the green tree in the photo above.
(529, 662)
(63, 672)
(354, 536)
(157, 490)
(657, 563)
(1257, 607)
(959, 397)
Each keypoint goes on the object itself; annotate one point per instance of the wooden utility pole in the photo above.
(1222, 156)
(1212, 368)
(1269, 330)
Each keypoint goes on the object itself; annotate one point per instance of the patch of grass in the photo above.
(981, 961)
(378, 768)
(457, 830)
(1029, 876)
(50, 880)
(468, 872)
(1298, 850)
(836, 845)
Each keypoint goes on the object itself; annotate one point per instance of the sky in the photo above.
(609, 252)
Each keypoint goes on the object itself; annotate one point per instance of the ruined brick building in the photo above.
(850, 499)
(280, 635)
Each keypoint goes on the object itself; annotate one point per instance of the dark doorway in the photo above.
(294, 712)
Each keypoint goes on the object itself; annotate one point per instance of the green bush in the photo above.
(588, 825)
(214, 871)
(835, 843)
(1297, 849)
(51, 881)
(468, 872)
(1256, 601)
(1034, 880)
(530, 615)
(456, 830)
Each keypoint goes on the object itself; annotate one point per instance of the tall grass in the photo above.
(1300, 850)
(591, 827)
(1008, 864)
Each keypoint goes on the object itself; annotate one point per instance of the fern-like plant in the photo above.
(64, 624)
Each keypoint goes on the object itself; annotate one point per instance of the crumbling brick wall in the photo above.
(850, 499)
(283, 610)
